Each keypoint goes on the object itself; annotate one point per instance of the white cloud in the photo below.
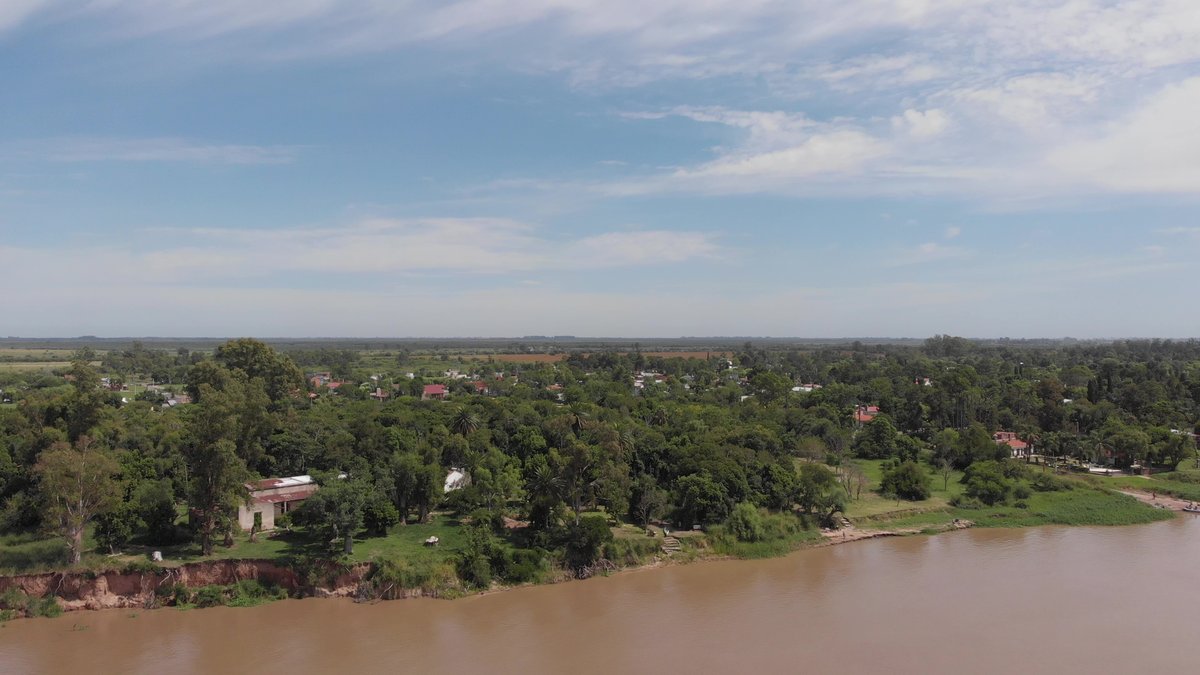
(379, 247)
(921, 125)
(85, 149)
(1156, 148)
(929, 252)
(953, 231)
(15, 12)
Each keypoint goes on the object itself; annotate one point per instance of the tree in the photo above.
(279, 374)
(114, 528)
(649, 500)
(906, 480)
(335, 511)
(854, 479)
(700, 499)
(465, 422)
(379, 513)
(79, 483)
(877, 440)
(986, 482)
(216, 474)
(745, 522)
(154, 502)
(945, 470)
(87, 401)
(818, 491)
(585, 540)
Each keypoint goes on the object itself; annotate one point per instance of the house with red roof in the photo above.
(865, 413)
(433, 392)
(273, 497)
(1018, 447)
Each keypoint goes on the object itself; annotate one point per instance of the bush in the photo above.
(1044, 482)
(392, 576)
(115, 528)
(1021, 491)
(525, 565)
(586, 540)
(155, 505)
(965, 502)
(987, 482)
(209, 596)
(631, 551)
(906, 480)
(251, 592)
(745, 523)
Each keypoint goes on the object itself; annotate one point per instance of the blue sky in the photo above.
(1018, 168)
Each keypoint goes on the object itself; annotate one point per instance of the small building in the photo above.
(455, 480)
(1018, 447)
(865, 413)
(433, 392)
(273, 497)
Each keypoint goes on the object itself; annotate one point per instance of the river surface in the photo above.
(1044, 600)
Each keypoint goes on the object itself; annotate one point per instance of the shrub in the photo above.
(965, 502)
(209, 596)
(1044, 482)
(745, 523)
(115, 528)
(906, 480)
(586, 540)
(987, 483)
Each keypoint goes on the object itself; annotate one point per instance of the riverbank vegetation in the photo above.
(580, 464)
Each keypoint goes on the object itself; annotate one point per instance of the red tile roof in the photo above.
(431, 389)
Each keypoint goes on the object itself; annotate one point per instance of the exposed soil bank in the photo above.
(144, 588)
(140, 588)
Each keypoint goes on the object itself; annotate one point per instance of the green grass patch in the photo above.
(1083, 505)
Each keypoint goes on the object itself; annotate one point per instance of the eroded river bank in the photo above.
(1049, 599)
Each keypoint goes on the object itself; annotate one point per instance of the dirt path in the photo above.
(851, 533)
(1157, 500)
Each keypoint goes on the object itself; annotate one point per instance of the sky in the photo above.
(798, 168)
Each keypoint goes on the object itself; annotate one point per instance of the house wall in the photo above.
(246, 515)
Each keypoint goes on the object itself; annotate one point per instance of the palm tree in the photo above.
(465, 422)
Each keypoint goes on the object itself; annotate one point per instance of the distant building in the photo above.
(1018, 447)
(865, 413)
(273, 497)
(433, 392)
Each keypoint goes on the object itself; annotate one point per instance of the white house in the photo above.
(273, 497)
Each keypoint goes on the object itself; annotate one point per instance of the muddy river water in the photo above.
(1044, 600)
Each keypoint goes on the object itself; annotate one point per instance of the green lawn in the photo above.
(31, 553)
(870, 504)
(1179, 484)
(1088, 504)
(406, 541)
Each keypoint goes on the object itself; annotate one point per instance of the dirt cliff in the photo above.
(140, 587)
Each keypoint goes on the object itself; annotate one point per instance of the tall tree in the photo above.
(216, 473)
(79, 483)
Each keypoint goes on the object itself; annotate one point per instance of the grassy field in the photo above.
(31, 553)
(1089, 503)
(871, 504)
(19, 354)
(24, 366)
(1181, 484)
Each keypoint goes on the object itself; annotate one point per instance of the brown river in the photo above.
(1046, 600)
